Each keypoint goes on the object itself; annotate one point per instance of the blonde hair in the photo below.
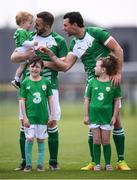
(22, 16)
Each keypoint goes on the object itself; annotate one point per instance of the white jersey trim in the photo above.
(106, 42)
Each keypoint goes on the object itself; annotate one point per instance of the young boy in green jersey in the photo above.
(23, 40)
(35, 93)
(101, 107)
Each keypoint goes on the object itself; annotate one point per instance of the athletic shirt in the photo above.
(36, 94)
(90, 48)
(21, 35)
(102, 95)
(57, 44)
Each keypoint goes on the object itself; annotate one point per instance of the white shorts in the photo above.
(104, 127)
(36, 131)
(57, 110)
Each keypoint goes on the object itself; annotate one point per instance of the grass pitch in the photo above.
(73, 151)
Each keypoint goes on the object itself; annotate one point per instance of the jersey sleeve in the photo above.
(117, 92)
(28, 43)
(73, 50)
(22, 91)
(100, 34)
(63, 50)
(88, 91)
(20, 36)
(49, 90)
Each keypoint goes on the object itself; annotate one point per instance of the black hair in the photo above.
(75, 17)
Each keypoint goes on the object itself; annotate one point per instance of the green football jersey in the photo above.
(102, 95)
(90, 48)
(57, 44)
(21, 35)
(36, 94)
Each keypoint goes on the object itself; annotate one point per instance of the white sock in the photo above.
(17, 79)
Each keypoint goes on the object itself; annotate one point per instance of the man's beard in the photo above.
(40, 32)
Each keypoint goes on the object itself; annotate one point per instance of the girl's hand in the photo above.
(50, 122)
(26, 123)
(86, 120)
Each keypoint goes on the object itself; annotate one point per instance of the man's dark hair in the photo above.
(47, 17)
(74, 17)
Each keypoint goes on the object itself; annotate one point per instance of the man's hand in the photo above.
(43, 49)
(116, 79)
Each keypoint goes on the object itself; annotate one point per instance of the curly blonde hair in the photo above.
(22, 16)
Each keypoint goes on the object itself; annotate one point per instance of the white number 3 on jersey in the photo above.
(37, 98)
(100, 96)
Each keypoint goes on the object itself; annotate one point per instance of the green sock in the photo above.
(41, 153)
(90, 142)
(97, 152)
(107, 153)
(22, 146)
(28, 152)
(53, 143)
(119, 139)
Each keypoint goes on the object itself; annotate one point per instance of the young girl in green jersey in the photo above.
(35, 93)
(101, 107)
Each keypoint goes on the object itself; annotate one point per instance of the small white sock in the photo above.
(17, 79)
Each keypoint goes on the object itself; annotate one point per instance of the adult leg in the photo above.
(119, 140)
(91, 165)
(53, 143)
(22, 140)
(53, 139)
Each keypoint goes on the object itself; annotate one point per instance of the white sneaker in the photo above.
(109, 167)
(97, 167)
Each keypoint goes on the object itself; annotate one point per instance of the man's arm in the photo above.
(117, 50)
(17, 57)
(63, 65)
